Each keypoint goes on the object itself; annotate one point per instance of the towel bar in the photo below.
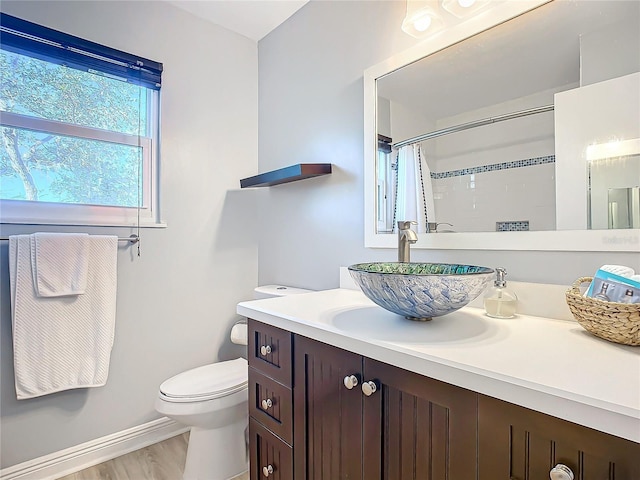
(132, 239)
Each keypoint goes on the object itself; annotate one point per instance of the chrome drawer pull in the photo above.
(561, 472)
(350, 381)
(268, 470)
(265, 350)
(369, 388)
(267, 404)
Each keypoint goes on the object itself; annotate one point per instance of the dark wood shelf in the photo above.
(292, 173)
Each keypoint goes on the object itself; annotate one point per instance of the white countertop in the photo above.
(552, 366)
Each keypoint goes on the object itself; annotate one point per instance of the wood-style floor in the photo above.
(161, 461)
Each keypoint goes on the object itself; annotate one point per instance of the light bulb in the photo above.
(421, 20)
(464, 8)
(466, 3)
(422, 23)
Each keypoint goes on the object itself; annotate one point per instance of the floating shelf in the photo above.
(299, 171)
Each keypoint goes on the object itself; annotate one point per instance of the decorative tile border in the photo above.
(513, 226)
(528, 162)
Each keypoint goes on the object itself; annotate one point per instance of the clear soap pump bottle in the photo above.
(499, 301)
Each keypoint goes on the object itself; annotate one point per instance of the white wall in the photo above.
(407, 122)
(176, 303)
(311, 110)
(384, 117)
(611, 52)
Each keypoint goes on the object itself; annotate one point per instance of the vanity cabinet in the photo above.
(352, 418)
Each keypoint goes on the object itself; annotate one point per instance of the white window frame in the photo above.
(49, 213)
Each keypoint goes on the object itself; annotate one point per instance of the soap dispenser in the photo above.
(499, 301)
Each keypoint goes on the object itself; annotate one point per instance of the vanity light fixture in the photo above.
(464, 8)
(422, 19)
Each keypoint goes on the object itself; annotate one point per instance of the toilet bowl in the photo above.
(213, 401)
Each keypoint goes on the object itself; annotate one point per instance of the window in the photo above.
(385, 188)
(79, 125)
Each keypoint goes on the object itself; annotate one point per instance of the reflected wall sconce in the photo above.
(422, 18)
(612, 149)
(464, 8)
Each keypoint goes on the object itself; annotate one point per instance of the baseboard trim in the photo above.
(74, 459)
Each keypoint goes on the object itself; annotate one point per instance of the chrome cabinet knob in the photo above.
(561, 472)
(369, 388)
(350, 381)
(265, 350)
(266, 404)
(268, 470)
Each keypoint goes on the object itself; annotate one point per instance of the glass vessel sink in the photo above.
(421, 291)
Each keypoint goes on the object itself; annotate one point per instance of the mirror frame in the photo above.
(627, 240)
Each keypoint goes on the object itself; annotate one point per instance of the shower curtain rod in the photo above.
(133, 239)
(474, 124)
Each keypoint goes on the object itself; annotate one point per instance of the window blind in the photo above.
(21, 36)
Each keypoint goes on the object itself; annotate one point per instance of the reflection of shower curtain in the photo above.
(414, 191)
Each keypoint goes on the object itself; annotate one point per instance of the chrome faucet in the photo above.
(406, 237)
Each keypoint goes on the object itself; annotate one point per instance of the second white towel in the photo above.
(60, 262)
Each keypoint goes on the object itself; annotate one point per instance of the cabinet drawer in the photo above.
(267, 450)
(270, 404)
(270, 351)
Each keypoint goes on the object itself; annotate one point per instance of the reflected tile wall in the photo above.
(476, 199)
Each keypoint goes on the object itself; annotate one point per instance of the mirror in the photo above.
(488, 132)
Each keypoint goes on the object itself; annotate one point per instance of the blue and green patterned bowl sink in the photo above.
(421, 291)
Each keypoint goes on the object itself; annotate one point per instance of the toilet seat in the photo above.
(207, 382)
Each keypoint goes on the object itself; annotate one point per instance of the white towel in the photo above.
(60, 262)
(61, 343)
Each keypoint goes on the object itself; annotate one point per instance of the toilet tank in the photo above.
(239, 330)
(268, 291)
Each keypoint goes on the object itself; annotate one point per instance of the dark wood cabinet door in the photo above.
(327, 432)
(516, 443)
(417, 428)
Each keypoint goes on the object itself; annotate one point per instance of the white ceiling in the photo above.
(251, 18)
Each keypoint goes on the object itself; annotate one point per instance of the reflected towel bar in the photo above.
(133, 239)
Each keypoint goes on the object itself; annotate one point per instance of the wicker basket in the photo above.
(616, 322)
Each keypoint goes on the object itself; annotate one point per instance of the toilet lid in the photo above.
(207, 382)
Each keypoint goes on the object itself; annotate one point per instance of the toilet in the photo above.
(213, 401)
